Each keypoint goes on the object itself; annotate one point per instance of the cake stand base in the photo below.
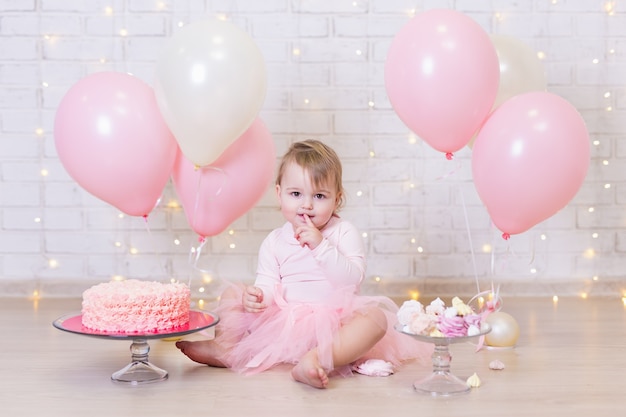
(441, 383)
(139, 370)
(137, 373)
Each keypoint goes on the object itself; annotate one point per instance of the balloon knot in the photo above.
(201, 239)
(506, 236)
(145, 217)
(449, 156)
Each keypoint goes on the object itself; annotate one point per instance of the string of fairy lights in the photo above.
(180, 17)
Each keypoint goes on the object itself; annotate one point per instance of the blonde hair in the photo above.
(320, 161)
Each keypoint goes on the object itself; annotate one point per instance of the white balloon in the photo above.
(210, 85)
(521, 70)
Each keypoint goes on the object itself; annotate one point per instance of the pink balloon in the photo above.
(216, 195)
(113, 142)
(529, 160)
(441, 76)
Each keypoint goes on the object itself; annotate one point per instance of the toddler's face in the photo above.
(298, 196)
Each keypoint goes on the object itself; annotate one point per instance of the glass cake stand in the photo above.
(140, 370)
(441, 382)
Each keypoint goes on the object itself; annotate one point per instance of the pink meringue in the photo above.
(374, 367)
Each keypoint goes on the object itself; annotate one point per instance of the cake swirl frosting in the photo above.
(134, 306)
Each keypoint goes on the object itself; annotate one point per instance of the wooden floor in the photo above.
(570, 361)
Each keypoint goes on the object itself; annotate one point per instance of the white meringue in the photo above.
(473, 381)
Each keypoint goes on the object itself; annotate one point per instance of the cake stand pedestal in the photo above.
(441, 381)
(140, 370)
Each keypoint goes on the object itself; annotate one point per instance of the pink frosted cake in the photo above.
(134, 306)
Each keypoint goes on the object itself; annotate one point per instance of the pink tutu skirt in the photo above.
(284, 332)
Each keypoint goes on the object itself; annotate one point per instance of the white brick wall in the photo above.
(414, 207)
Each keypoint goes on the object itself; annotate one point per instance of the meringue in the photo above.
(374, 367)
(437, 320)
(496, 365)
(462, 308)
(473, 381)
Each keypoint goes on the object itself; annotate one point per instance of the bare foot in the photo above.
(203, 351)
(308, 371)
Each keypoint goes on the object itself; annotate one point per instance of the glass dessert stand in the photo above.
(441, 382)
(140, 370)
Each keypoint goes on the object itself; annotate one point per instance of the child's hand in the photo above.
(253, 299)
(308, 234)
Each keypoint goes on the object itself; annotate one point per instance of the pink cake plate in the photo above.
(140, 370)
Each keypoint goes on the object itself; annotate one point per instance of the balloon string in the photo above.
(492, 266)
(194, 257)
(532, 251)
(195, 253)
(469, 238)
(158, 252)
(469, 234)
(505, 259)
(450, 173)
(196, 205)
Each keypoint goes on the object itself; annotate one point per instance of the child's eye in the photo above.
(320, 196)
(295, 193)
